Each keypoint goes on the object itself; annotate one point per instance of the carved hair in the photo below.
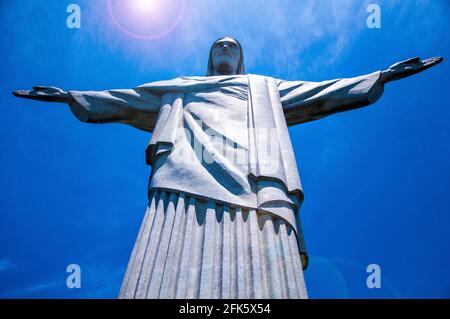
(240, 68)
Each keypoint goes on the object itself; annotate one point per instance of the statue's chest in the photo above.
(221, 106)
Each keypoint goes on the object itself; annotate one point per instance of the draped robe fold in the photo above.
(241, 115)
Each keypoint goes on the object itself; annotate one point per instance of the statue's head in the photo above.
(226, 57)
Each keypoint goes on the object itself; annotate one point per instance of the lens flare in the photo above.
(146, 19)
(144, 6)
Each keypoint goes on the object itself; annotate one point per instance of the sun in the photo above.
(144, 6)
(146, 19)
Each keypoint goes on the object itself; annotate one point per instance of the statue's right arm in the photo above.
(136, 107)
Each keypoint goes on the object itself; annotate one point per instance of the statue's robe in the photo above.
(224, 189)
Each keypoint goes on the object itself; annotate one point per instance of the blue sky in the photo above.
(376, 180)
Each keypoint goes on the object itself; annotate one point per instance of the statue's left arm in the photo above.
(308, 101)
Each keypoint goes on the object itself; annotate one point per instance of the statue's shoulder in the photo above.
(267, 79)
(167, 84)
(213, 78)
(193, 79)
(217, 80)
(193, 83)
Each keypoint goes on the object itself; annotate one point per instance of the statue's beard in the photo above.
(224, 69)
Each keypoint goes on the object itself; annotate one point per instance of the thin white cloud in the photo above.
(275, 34)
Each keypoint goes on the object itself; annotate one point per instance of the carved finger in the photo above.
(433, 61)
(21, 93)
(428, 63)
(28, 95)
(40, 88)
(412, 60)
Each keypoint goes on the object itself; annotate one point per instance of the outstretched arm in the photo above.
(308, 101)
(136, 107)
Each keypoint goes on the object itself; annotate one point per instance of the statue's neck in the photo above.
(225, 69)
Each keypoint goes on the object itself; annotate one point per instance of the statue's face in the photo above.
(225, 57)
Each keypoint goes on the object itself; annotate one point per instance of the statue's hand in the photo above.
(45, 93)
(407, 68)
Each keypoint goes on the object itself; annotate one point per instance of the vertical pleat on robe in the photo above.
(192, 248)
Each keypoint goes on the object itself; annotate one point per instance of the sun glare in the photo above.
(144, 6)
(146, 19)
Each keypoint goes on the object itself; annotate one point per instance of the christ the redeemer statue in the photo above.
(224, 191)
